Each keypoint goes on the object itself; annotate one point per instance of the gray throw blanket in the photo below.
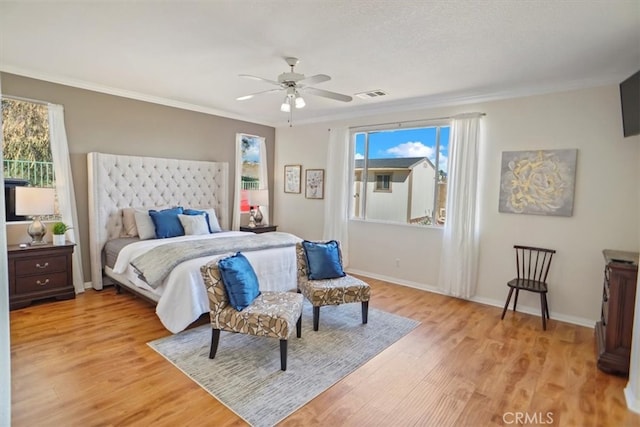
(156, 264)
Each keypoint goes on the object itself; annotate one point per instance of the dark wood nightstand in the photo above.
(259, 228)
(38, 272)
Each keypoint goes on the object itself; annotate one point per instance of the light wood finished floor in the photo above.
(85, 362)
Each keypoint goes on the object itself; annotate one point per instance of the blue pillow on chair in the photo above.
(167, 222)
(323, 260)
(239, 280)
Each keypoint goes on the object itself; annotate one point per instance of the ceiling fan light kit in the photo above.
(295, 83)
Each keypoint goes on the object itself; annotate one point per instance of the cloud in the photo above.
(252, 154)
(358, 156)
(444, 161)
(412, 149)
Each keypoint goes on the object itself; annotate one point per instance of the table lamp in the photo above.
(257, 198)
(34, 202)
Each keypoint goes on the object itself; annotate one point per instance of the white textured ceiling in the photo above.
(421, 53)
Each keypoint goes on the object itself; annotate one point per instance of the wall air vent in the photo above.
(371, 94)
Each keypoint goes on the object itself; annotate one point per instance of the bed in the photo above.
(119, 183)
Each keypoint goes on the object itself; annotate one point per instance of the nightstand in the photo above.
(259, 228)
(39, 272)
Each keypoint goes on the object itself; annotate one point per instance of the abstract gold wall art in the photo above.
(539, 182)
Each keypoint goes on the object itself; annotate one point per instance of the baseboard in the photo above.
(633, 401)
(535, 311)
(88, 285)
(394, 280)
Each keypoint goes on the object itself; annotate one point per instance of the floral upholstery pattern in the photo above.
(342, 290)
(271, 314)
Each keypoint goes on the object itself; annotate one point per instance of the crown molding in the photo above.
(389, 107)
(452, 100)
(81, 84)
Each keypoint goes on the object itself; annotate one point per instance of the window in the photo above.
(400, 174)
(250, 177)
(26, 147)
(383, 182)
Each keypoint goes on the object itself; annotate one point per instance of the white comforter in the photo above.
(183, 296)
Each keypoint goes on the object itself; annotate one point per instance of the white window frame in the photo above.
(439, 123)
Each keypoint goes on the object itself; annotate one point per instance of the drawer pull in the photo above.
(42, 283)
(46, 264)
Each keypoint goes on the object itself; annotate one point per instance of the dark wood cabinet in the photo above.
(259, 228)
(39, 272)
(615, 328)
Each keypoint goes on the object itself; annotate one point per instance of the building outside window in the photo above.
(400, 174)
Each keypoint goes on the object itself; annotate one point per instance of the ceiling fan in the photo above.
(294, 84)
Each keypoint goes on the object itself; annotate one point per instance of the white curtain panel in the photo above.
(64, 187)
(235, 217)
(459, 260)
(337, 185)
(264, 178)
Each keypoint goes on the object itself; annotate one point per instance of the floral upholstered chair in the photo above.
(271, 314)
(330, 291)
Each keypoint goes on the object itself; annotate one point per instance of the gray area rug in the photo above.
(246, 377)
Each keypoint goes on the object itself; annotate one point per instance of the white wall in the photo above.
(388, 205)
(606, 206)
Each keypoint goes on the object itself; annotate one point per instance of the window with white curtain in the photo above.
(250, 176)
(26, 148)
(400, 173)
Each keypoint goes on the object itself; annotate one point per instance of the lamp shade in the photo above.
(259, 197)
(32, 201)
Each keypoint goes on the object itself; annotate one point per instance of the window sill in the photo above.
(397, 224)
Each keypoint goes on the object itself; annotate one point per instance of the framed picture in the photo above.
(292, 178)
(314, 184)
(538, 182)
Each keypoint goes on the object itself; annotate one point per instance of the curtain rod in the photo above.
(406, 122)
(20, 98)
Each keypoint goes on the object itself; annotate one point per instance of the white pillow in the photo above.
(194, 224)
(214, 225)
(144, 224)
(129, 228)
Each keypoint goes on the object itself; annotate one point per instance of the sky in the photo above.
(252, 155)
(405, 143)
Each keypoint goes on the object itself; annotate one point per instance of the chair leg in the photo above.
(515, 301)
(299, 327)
(543, 307)
(546, 304)
(365, 312)
(316, 317)
(507, 303)
(283, 355)
(215, 338)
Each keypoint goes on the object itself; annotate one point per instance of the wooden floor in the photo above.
(85, 362)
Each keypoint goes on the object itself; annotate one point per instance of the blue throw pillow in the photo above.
(239, 280)
(323, 260)
(196, 212)
(167, 222)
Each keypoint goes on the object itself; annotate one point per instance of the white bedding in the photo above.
(182, 295)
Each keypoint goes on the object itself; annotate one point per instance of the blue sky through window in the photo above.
(420, 142)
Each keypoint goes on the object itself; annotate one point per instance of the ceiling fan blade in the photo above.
(318, 78)
(273, 82)
(245, 97)
(328, 94)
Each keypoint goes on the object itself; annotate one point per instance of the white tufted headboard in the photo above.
(117, 182)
